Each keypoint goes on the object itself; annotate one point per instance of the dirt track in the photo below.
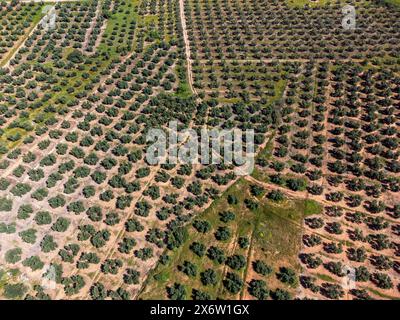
(187, 46)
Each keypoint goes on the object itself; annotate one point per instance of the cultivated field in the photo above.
(83, 215)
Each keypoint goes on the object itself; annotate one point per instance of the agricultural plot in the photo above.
(83, 215)
(244, 246)
(234, 43)
(273, 30)
(357, 128)
(17, 20)
(74, 180)
(236, 81)
(345, 241)
(335, 139)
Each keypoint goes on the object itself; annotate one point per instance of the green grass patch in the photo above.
(325, 277)
(183, 89)
(310, 3)
(380, 294)
(151, 18)
(312, 207)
